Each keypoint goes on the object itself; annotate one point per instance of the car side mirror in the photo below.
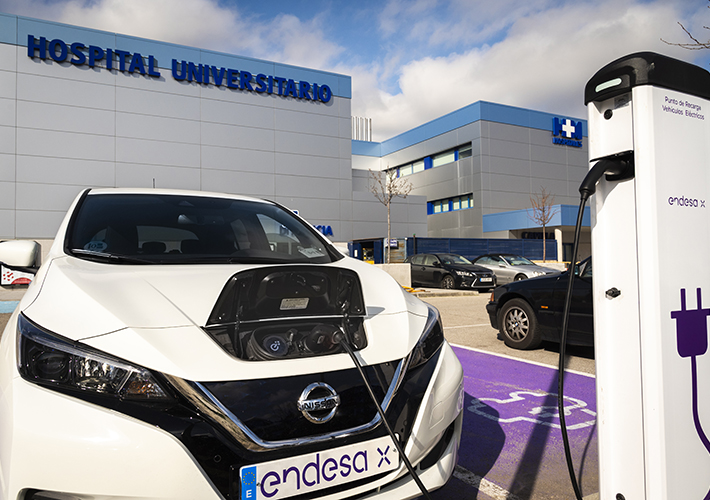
(437, 264)
(23, 254)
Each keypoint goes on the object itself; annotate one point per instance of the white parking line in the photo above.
(483, 485)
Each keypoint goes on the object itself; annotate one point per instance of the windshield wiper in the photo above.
(111, 258)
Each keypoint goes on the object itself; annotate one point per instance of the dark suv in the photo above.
(447, 270)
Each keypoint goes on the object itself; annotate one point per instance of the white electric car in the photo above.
(190, 345)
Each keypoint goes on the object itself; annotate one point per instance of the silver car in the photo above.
(510, 267)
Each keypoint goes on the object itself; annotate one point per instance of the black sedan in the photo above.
(530, 311)
(448, 270)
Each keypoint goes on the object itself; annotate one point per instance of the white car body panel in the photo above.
(153, 316)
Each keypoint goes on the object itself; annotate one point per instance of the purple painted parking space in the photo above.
(511, 438)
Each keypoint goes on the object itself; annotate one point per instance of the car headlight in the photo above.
(431, 340)
(463, 273)
(50, 360)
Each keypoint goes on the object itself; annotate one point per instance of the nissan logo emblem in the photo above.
(318, 402)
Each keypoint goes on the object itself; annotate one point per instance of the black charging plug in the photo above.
(616, 167)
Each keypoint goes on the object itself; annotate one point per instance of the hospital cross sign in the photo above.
(567, 132)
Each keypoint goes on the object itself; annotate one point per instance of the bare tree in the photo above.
(542, 212)
(386, 186)
(695, 44)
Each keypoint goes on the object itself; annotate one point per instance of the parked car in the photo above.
(530, 311)
(191, 345)
(510, 267)
(447, 270)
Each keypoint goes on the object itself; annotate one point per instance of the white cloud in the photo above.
(204, 24)
(543, 64)
(433, 56)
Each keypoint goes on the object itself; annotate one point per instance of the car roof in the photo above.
(173, 192)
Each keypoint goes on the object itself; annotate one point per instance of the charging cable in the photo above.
(341, 338)
(615, 167)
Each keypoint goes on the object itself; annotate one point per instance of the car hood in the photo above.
(152, 315)
(536, 269)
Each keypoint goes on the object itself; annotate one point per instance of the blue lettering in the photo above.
(281, 82)
(137, 64)
(244, 81)
(315, 465)
(556, 126)
(275, 482)
(95, 54)
(303, 90)
(261, 83)
(325, 93)
(345, 464)
(362, 454)
(578, 131)
(290, 89)
(179, 74)
(232, 78)
(330, 468)
(286, 472)
(218, 75)
(33, 46)
(122, 54)
(194, 73)
(79, 56)
(53, 45)
(152, 71)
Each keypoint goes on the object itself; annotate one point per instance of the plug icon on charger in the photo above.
(692, 341)
(691, 327)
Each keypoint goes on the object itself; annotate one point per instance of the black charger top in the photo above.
(647, 68)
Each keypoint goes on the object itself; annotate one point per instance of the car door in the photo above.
(431, 270)
(581, 317)
(504, 271)
(417, 269)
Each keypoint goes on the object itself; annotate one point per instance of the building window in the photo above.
(458, 203)
(463, 151)
(443, 158)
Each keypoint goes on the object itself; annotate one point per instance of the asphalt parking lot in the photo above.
(511, 444)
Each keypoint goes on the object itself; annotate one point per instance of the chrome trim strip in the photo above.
(284, 318)
(207, 403)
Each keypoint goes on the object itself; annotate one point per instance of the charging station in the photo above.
(650, 242)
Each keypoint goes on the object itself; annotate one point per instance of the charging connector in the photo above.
(615, 167)
(342, 339)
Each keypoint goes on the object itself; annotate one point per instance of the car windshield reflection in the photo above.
(182, 229)
(518, 260)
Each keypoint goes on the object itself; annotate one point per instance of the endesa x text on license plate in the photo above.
(307, 473)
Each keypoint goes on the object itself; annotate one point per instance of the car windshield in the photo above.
(518, 260)
(182, 229)
(454, 259)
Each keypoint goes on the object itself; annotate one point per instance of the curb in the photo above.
(418, 292)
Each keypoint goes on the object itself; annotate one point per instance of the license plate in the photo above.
(486, 279)
(315, 471)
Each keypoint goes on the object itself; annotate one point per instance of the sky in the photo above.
(412, 61)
